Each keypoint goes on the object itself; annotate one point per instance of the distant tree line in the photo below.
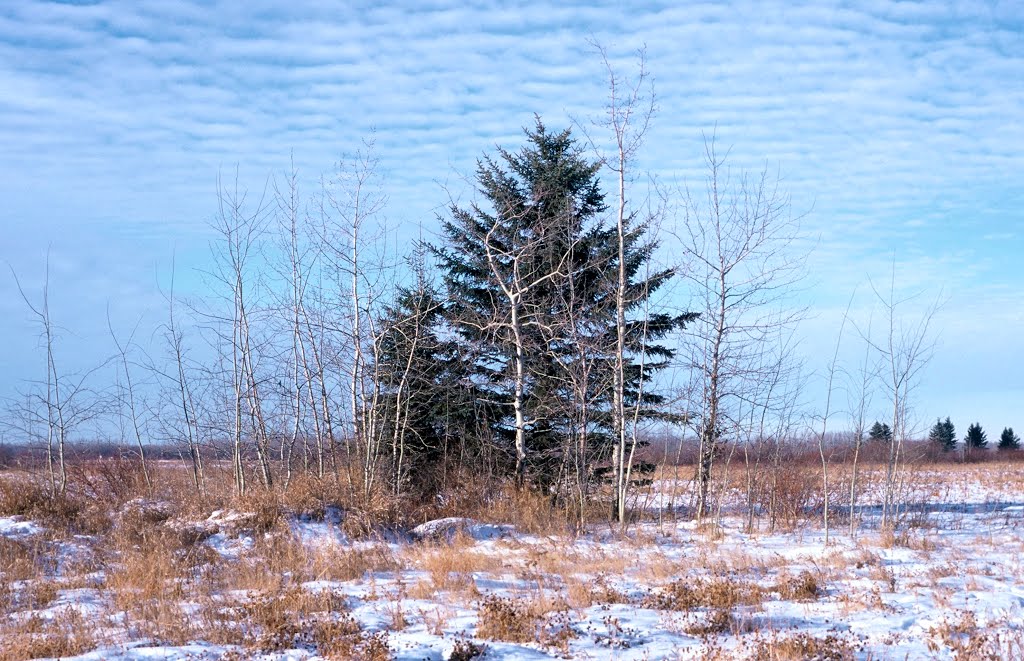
(943, 436)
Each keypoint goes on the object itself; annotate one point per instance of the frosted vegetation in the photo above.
(112, 570)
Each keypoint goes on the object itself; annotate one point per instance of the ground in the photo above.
(947, 583)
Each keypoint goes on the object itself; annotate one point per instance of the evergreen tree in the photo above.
(880, 432)
(530, 279)
(976, 438)
(428, 404)
(943, 434)
(1008, 440)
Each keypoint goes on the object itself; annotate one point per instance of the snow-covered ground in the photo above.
(948, 584)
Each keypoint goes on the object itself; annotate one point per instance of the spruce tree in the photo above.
(880, 432)
(943, 434)
(428, 402)
(976, 438)
(1008, 440)
(530, 275)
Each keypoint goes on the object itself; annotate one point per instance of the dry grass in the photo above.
(66, 633)
(466, 650)
(803, 587)
(587, 591)
(502, 618)
(450, 566)
(161, 582)
(522, 621)
(22, 560)
(802, 646)
(716, 621)
(714, 593)
(965, 639)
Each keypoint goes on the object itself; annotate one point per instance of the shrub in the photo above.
(720, 593)
(501, 618)
(804, 587)
(465, 650)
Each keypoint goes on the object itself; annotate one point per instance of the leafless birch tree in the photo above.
(904, 352)
(738, 242)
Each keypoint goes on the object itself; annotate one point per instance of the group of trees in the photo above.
(521, 345)
(529, 343)
(524, 325)
(943, 435)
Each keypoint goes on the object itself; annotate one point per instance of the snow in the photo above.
(17, 526)
(448, 528)
(956, 575)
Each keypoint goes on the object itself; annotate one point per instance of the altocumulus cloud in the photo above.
(895, 125)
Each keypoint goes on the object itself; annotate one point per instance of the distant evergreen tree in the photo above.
(1008, 440)
(880, 432)
(976, 438)
(943, 434)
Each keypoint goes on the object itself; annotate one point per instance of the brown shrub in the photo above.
(803, 646)
(720, 593)
(341, 639)
(21, 496)
(804, 587)
(718, 620)
(24, 559)
(966, 640)
(502, 618)
(65, 634)
(515, 621)
(337, 563)
(112, 480)
(466, 650)
(276, 619)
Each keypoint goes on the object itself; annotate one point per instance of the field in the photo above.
(115, 571)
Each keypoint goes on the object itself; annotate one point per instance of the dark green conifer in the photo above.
(1008, 440)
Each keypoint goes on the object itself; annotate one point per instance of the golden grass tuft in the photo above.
(802, 587)
(520, 621)
(802, 646)
(715, 593)
(66, 633)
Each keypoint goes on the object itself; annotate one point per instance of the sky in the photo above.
(896, 128)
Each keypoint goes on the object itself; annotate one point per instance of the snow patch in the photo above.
(448, 528)
(18, 526)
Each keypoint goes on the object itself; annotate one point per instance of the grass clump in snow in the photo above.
(802, 646)
(516, 621)
(65, 633)
(721, 593)
(802, 587)
(503, 618)
(466, 650)
(967, 641)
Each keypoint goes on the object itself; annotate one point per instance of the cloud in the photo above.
(895, 125)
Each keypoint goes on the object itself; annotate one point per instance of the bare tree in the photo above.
(516, 283)
(859, 401)
(738, 248)
(350, 233)
(67, 400)
(769, 408)
(904, 352)
(830, 380)
(127, 396)
(299, 261)
(241, 231)
(628, 112)
(181, 389)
